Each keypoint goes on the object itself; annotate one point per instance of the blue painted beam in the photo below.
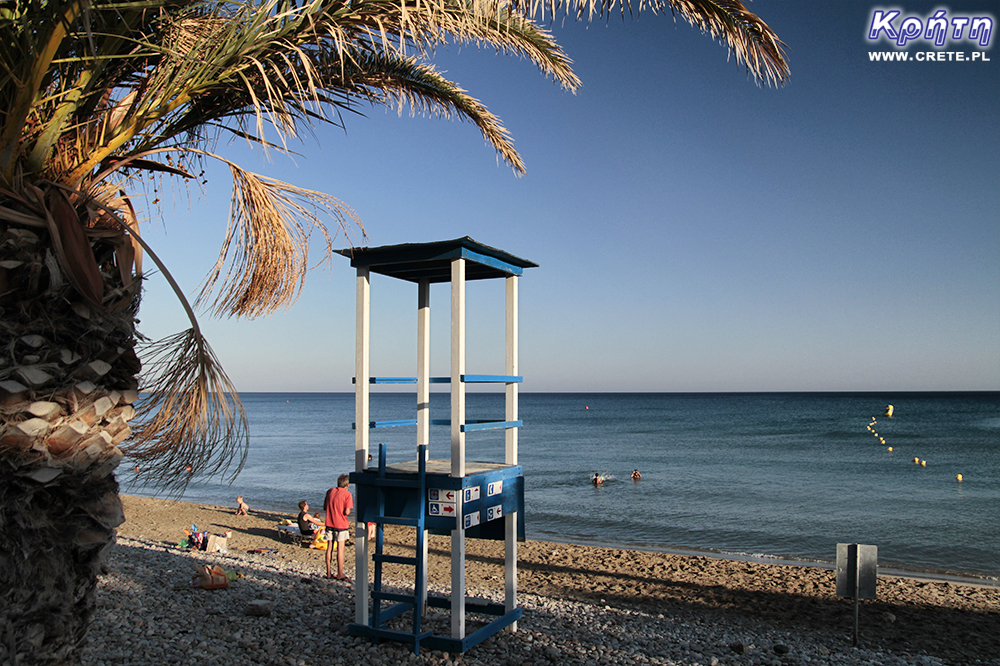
(388, 424)
(492, 379)
(387, 380)
(492, 262)
(468, 379)
(392, 380)
(490, 425)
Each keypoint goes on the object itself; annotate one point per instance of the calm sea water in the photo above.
(784, 475)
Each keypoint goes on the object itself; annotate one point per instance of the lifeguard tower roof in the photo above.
(432, 261)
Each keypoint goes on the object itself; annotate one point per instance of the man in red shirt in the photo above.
(338, 505)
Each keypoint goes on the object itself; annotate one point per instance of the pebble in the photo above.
(146, 595)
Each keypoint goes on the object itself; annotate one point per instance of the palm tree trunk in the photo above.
(67, 383)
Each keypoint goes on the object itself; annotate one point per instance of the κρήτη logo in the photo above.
(939, 28)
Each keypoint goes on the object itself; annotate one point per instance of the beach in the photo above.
(582, 604)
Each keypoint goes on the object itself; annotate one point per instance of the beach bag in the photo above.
(212, 577)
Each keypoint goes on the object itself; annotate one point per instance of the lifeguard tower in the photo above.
(458, 497)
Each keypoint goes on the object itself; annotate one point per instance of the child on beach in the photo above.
(241, 508)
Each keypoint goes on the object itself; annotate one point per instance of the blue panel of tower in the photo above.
(503, 498)
(487, 498)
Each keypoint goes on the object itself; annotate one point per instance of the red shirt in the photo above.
(338, 505)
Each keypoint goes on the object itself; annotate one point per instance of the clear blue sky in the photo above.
(694, 232)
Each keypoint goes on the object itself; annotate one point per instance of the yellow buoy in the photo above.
(959, 477)
(916, 460)
(923, 463)
(888, 411)
(889, 449)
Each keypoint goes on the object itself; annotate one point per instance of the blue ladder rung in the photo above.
(389, 520)
(395, 559)
(394, 596)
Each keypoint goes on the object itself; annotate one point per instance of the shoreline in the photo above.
(690, 609)
(889, 571)
(987, 580)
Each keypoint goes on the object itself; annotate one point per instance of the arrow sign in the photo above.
(471, 519)
(441, 495)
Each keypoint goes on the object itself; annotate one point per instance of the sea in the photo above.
(761, 476)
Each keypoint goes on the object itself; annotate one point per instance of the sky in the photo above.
(694, 231)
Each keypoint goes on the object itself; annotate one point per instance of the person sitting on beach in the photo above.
(241, 508)
(635, 475)
(308, 524)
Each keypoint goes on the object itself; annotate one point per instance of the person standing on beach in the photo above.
(338, 505)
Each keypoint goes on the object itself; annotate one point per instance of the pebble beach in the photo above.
(582, 605)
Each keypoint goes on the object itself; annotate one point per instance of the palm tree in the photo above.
(98, 97)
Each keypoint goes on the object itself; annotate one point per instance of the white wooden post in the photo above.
(362, 370)
(423, 397)
(510, 450)
(458, 443)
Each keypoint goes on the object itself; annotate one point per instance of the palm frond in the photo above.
(267, 244)
(748, 38)
(89, 89)
(191, 422)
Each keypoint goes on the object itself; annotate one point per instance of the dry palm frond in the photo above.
(749, 39)
(268, 236)
(89, 88)
(191, 420)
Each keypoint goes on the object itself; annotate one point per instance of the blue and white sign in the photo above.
(471, 520)
(470, 494)
(494, 488)
(442, 495)
(441, 509)
(494, 512)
